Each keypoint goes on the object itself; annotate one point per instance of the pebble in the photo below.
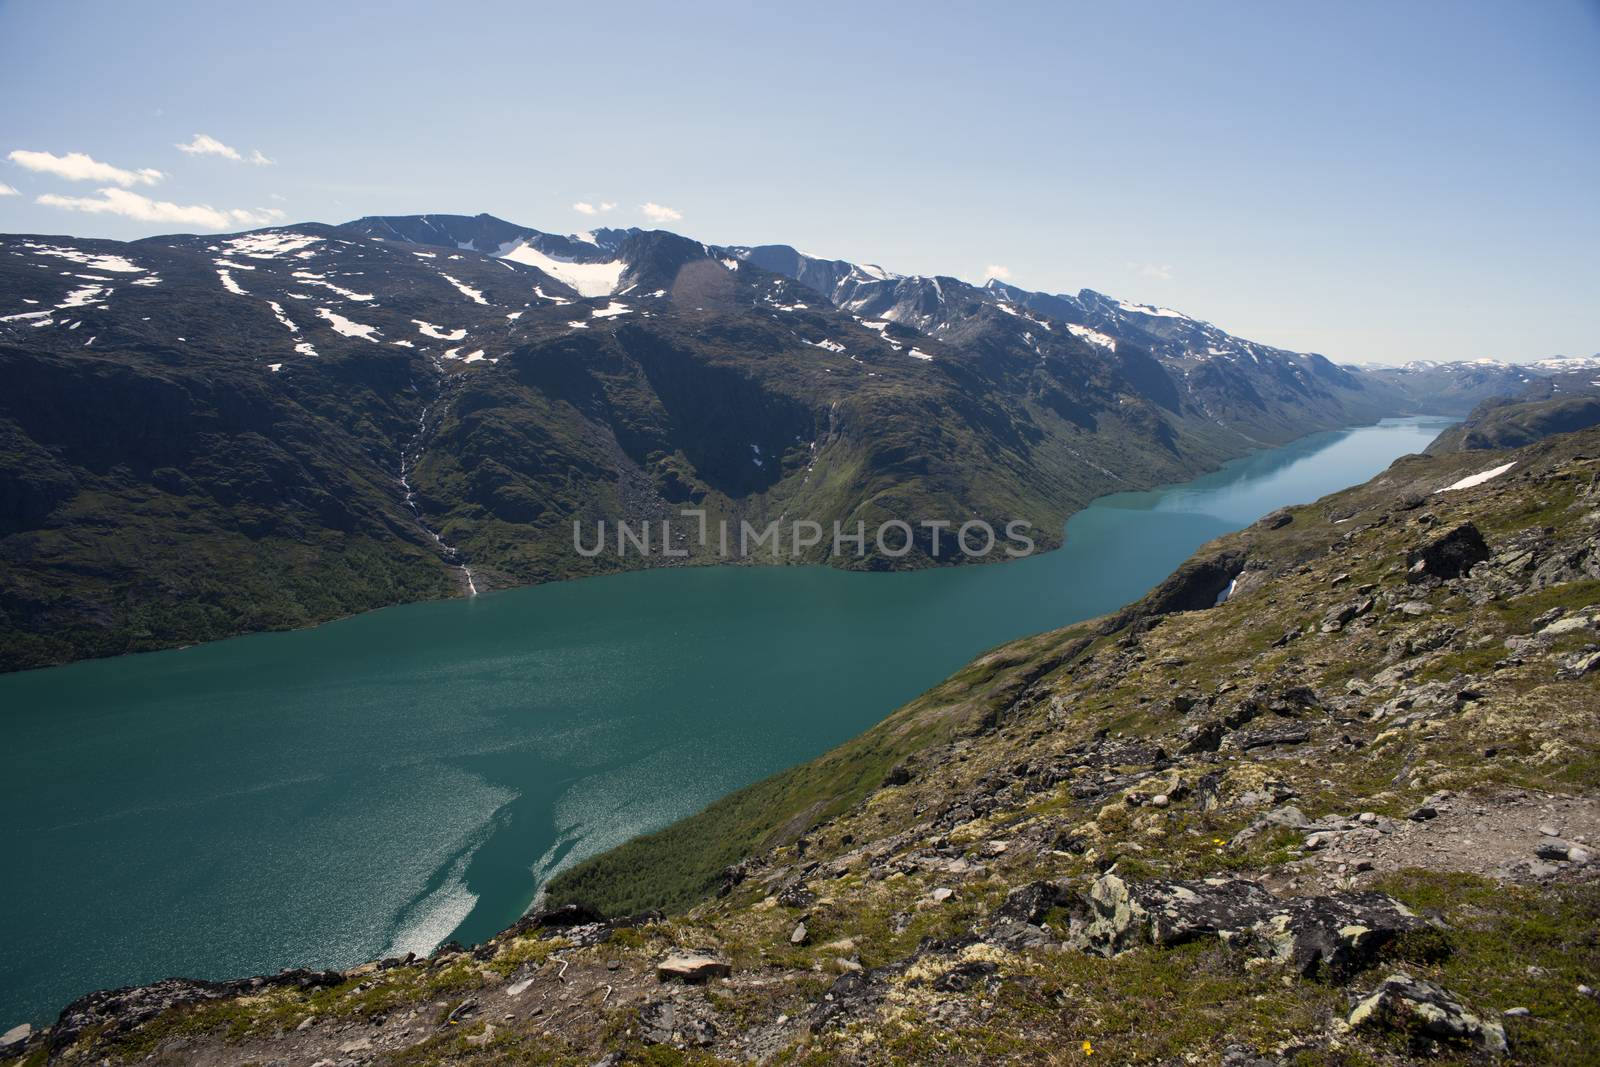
(1161, 800)
(1548, 831)
(943, 894)
(1516, 1013)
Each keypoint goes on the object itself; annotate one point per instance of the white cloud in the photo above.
(6, 190)
(1159, 271)
(659, 212)
(997, 272)
(206, 145)
(278, 197)
(79, 167)
(583, 207)
(113, 201)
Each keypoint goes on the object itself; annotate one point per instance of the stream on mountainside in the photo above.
(376, 785)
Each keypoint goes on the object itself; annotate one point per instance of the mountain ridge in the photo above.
(351, 417)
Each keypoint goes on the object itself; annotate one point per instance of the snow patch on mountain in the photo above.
(94, 261)
(83, 297)
(466, 290)
(270, 245)
(348, 328)
(321, 279)
(1477, 479)
(439, 333)
(1094, 337)
(1147, 309)
(277, 309)
(589, 279)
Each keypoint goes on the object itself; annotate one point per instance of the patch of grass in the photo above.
(1515, 946)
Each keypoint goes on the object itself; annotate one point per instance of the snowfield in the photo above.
(589, 279)
(1477, 479)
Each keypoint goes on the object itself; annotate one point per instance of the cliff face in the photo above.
(1343, 816)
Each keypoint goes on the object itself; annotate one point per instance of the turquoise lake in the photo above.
(380, 784)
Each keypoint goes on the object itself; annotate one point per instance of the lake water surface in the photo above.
(379, 784)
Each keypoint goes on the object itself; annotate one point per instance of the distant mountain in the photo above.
(1559, 403)
(202, 436)
(1249, 386)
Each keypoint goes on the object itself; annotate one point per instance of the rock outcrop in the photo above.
(1427, 1013)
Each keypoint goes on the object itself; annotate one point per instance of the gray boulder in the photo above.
(1428, 1013)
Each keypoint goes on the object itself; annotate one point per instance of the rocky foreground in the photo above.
(1347, 815)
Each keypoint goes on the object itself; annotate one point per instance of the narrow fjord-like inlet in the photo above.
(380, 784)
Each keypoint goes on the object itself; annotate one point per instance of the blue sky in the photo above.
(1375, 181)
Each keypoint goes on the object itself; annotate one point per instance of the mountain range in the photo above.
(209, 435)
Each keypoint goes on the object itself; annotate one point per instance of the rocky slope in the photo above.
(1560, 403)
(1326, 795)
(202, 436)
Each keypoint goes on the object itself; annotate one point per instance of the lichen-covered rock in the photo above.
(1124, 914)
(963, 976)
(1325, 936)
(1030, 903)
(1332, 936)
(1427, 1012)
(662, 1022)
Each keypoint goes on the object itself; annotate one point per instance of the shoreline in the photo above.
(879, 709)
(657, 562)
